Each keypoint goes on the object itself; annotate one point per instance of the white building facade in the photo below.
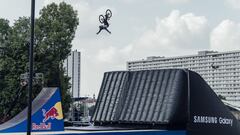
(221, 70)
(72, 67)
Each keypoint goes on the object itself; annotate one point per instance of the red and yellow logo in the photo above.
(54, 112)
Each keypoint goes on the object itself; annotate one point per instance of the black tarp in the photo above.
(164, 99)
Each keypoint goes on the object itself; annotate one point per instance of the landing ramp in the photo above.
(170, 99)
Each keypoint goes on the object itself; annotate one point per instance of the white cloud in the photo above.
(129, 1)
(107, 55)
(46, 2)
(167, 1)
(113, 55)
(174, 35)
(177, 1)
(233, 3)
(225, 36)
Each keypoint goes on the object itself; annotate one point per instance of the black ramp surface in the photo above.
(112, 86)
(143, 97)
(162, 99)
(208, 114)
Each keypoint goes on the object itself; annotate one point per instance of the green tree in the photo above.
(15, 63)
(5, 30)
(54, 32)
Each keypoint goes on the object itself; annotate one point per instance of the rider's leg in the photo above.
(100, 29)
(108, 31)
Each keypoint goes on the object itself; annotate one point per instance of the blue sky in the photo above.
(142, 28)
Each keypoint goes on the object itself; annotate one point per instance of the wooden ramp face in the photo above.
(46, 114)
(175, 99)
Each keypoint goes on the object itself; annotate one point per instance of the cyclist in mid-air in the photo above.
(104, 20)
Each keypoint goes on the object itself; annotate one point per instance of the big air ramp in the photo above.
(46, 114)
(172, 99)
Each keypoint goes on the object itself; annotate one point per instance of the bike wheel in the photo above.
(109, 13)
(101, 18)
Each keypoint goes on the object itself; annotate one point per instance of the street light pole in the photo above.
(29, 121)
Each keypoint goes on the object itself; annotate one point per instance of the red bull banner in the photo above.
(47, 114)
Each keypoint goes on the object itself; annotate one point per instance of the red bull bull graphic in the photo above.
(46, 115)
(54, 112)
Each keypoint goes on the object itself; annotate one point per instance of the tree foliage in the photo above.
(4, 35)
(54, 31)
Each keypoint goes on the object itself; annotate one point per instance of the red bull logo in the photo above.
(41, 126)
(51, 113)
(54, 112)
